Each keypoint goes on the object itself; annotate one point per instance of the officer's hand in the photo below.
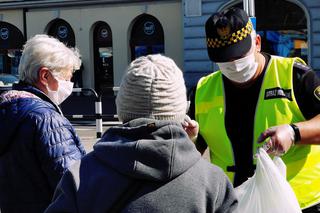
(191, 127)
(281, 138)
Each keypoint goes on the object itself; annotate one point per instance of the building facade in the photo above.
(109, 34)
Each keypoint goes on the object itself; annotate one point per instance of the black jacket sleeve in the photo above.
(306, 86)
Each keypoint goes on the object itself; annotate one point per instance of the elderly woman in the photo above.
(37, 142)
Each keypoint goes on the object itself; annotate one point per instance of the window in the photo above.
(103, 57)
(11, 42)
(62, 30)
(146, 36)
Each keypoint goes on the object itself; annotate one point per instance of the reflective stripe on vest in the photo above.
(276, 105)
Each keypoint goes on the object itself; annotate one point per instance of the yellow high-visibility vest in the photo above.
(276, 105)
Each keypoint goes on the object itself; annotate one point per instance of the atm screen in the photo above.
(14, 55)
(105, 52)
(140, 51)
(158, 48)
(145, 50)
(1, 63)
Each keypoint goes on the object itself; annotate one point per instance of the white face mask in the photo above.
(63, 92)
(241, 70)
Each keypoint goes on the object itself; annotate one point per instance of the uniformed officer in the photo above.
(254, 98)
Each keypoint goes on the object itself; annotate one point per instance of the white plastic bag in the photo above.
(267, 191)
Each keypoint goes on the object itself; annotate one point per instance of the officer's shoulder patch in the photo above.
(317, 93)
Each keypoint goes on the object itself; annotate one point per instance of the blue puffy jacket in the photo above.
(37, 144)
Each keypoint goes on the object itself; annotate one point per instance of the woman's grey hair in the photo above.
(45, 51)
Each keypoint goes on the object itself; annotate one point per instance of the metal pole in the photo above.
(248, 6)
(251, 8)
(98, 109)
(99, 117)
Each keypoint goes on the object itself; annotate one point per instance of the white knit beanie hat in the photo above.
(153, 87)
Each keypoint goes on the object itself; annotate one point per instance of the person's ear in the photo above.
(43, 75)
(258, 42)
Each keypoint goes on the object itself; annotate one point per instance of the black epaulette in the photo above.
(301, 68)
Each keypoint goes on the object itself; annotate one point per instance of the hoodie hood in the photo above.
(147, 149)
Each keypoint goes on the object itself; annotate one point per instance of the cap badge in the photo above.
(224, 32)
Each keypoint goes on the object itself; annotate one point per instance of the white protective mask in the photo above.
(241, 70)
(63, 92)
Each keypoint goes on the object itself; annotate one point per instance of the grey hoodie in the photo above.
(144, 166)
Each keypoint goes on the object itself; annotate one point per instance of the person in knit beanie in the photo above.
(149, 163)
(153, 87)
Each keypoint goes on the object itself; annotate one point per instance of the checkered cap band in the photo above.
(235, 37)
